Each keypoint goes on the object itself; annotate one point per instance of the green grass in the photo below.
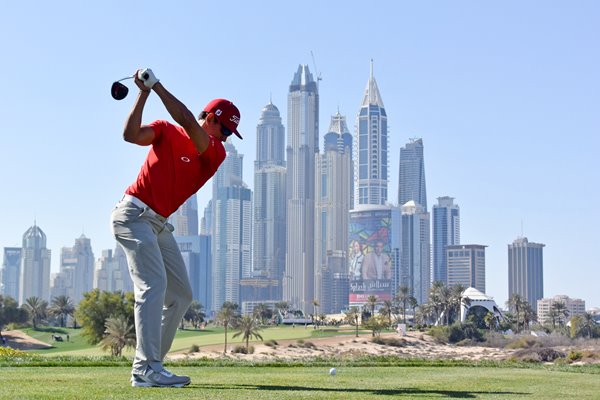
(259, 382)
(78, 346)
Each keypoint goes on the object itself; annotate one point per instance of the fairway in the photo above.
(303, 382)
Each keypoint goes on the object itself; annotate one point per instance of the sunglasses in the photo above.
(226, 132)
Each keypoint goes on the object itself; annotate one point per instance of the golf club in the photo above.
(118, 90)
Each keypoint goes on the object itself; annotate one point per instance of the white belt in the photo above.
(134, 200)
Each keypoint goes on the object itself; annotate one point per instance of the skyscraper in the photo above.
(231, 229)
(332, 204)
(411, 178)
(76, 274)
(371, 160)
(466, 266)
(185, 219)
(34, 280)
(526, 270)
(111, 272)
(446, 232)
(9, 276)
(270, 204)
(415, 263)
(302, 148)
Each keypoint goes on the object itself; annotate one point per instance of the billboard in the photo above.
(370, 266)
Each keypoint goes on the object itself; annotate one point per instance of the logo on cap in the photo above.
(218, 112)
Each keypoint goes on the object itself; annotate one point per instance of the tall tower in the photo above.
(446, 232)
(9, 276)
(371, 160)
(185, 219)
(332, 205)
(526, 270)
(415, 269)
(34, 280)
(302, 148)
(231, 227)
(411, 178)
(270, 203)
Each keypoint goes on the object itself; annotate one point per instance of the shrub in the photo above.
(242, 350)
(523, 342)
(574, 355)
(194, 349)
(394, 342)
(271, 343)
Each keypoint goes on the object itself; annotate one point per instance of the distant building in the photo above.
(111, 273)
(371, 162)
(302, 149)
(544, 307)
(76, 275)
(34, 279)
(526, 270)
(411, 177)
(197, 256)
(415, 262)
(185, 219)
(332, 198)
(9, 275)
(445, 232)
(466, 266)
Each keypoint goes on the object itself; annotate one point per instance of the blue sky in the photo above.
(504, 94)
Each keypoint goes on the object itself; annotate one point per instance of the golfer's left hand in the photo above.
(147, 76)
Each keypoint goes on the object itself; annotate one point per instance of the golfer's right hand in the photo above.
(147, 76)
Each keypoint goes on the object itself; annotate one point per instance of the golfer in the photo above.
(180, 161)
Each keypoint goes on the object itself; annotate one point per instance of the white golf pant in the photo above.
(161, 284)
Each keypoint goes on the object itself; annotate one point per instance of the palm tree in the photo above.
(262, 312)
(439, 297)
(315, 304)
(248, 327)
(227, 316)
(456, 301)
(491, 320)
(62, 307)
(560, 311)
(587, 323)
(353, 315)
(36, 308)
(386, 309)
(371, 303)
(516, 303)
(118, 335)
(194, 314)
(404, 298)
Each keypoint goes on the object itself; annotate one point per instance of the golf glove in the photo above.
(147, 76)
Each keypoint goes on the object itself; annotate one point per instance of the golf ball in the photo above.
(332, 371)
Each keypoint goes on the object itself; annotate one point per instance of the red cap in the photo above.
(227, 114)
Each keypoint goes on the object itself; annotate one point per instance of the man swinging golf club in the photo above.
(180, 161)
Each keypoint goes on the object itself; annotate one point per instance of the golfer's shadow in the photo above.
(407, 391)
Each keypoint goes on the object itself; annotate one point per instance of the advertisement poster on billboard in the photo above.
(370, 263)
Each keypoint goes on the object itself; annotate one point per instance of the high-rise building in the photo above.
(302, 148)
(270, 207)
(76, 275)
(34, 280)
(466, 266)
(411, 177)
(371, 146)
(185, 219)
(196, 253)
(526, 270)
(231, 229)
(332, 204)
(9, 276)
(573, 307)
(446, 232)
(415, 262)
(111, 273)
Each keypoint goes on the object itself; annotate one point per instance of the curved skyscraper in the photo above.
(302, 148)
(35, 266)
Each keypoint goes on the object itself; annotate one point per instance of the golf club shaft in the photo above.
(128, 77)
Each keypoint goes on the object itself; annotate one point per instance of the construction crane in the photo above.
(317, 73)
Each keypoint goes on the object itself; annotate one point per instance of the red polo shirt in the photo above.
(174, 170)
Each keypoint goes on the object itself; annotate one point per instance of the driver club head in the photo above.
(118, 90)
